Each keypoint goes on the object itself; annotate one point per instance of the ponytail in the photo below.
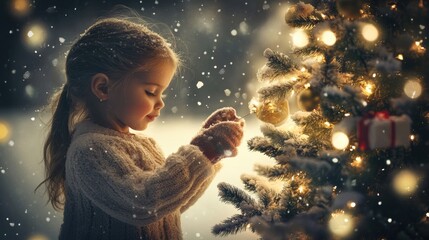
(55, 148)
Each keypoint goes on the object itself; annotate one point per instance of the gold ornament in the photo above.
(349, 8)
(308, 100)
(270, 111)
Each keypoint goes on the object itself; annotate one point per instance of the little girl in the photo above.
(114, 184)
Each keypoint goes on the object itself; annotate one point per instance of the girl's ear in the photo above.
(99, 86)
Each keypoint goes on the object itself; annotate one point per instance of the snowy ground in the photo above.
(24, 214)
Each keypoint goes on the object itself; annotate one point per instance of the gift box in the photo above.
(379, 130)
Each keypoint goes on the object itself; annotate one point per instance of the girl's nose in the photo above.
(160, 104)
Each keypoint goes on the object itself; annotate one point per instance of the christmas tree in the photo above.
(352, 163)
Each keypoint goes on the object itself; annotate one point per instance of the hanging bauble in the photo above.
(349, 8)
(308, 100)
(274, 111)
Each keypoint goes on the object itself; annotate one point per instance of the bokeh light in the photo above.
(328, 37)
(340, 140)
(35, 35)
(4, 131)
(370, 32)
(413, 89)
(341, 224)
(405, 182)
(20, 8)
(299, 39)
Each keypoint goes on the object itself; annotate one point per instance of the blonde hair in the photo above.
(113, 46)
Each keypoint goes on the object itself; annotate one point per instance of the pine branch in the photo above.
(278, 136)
(232, 225)
(264, 145)
(276, 91)
(336, 102)
(235, 196)
(275, 172)
(278, 60)
(309, 51)
(305, 22)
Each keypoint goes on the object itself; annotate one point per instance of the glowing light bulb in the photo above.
(4, 132)
(35, 35)
(370, 32)
(341, 224)
(405, 182)
(299, 39)
(413, 89)
(328, 37)
(340, 140)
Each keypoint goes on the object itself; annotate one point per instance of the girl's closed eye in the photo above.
(150, 93)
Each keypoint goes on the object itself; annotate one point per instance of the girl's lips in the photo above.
(151, 118)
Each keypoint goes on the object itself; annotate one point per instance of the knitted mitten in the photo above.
(221, 135)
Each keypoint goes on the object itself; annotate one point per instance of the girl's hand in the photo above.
(220, 115)
(221, 135)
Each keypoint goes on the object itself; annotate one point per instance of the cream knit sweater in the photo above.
(119, 186)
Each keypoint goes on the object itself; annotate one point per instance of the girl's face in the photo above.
(139, 101)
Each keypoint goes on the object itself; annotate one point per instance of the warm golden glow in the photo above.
(35, 35)
(340, 140)
(341, 224)
(418, 48)
(37, 237)
(299, 39)
(301, 189)
(405, 182)
(328, 37)
(20, 7)
(370, 32)
(413, 89)
(4, 132)
(357, 162)
(400, 57)
(367, 88)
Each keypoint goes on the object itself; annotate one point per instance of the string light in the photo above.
(413, 89)
(405, 182)
(300, 39)
(341, 224)
(340, 140)
(400, 57)
(370, 32)
(328, 37)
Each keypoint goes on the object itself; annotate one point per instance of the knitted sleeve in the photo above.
(106, 174)
(201, 190)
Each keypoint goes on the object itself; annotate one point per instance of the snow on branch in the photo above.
(272, 172)
(278, 65)
(276, 91)
(303, 15)
(234, 195)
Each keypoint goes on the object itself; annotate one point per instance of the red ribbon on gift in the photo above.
(363, 129)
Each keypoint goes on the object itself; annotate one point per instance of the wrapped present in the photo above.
(379, 130)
